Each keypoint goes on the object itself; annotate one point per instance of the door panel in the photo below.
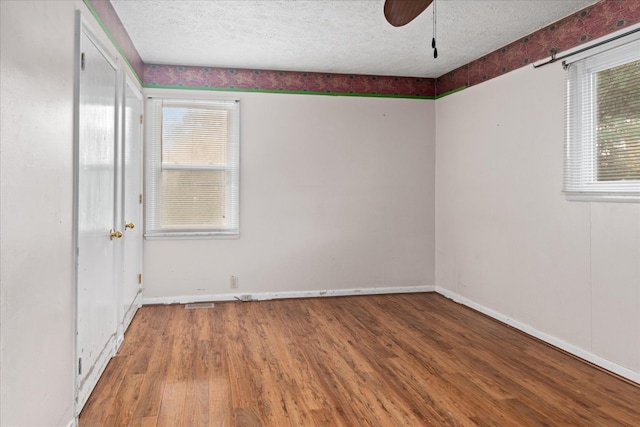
(132, 202)
(96, 291)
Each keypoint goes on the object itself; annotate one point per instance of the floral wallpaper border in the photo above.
(587, 24)
(212, 78)
(112, 25)
(583, 26)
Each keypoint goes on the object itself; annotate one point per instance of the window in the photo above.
(192, 168)
(602, 154)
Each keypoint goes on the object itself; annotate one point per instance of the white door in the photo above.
(95, 201)
(132, 201)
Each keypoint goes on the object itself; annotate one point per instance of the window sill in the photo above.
(602, 198)
(178, 235)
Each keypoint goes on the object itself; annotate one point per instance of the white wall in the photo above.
(37, 280)
(508, 241)
(336, 193)
(37, 293)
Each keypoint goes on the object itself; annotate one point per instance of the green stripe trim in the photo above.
(108, 33)
(451, 92)
(288, 92)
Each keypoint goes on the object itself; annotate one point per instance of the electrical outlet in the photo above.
(234, 282)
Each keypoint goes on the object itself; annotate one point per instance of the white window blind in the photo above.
(602, 153)
(192, 168)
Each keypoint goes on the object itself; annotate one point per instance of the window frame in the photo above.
(155, 165)
(581, 182)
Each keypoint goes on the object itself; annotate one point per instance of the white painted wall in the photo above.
(36, 182)
(509, 242)
(336, 193)
(37, 287)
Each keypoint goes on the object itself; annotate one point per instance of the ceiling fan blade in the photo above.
(401, 12)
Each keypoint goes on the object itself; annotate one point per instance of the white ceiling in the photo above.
(337, 36)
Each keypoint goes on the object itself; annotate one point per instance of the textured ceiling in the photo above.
(337, 36)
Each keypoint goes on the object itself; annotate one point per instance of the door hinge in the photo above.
(141, 118)
(140, 198)
(140, 278)
(80, 366)
(82, 61)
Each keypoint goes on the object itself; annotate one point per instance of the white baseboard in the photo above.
(556, 342)
(263, 296)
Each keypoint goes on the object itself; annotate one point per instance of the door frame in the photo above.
(83, 27)
(85, 23)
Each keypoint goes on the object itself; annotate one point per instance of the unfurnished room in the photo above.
(319, 213)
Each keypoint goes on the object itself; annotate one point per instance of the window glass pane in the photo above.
(193, 199)
(195, 136)
(618, 123)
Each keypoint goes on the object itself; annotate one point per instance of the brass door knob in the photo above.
(129, 225)
(113, 233)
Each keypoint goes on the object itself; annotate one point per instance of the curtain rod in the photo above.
(555, 58)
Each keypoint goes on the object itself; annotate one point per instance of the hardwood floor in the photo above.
(385, 360)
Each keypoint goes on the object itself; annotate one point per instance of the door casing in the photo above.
(104, 306)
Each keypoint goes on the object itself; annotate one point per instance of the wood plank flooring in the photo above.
(384, 360)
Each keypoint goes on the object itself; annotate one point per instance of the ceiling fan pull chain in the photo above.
(433, 40)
